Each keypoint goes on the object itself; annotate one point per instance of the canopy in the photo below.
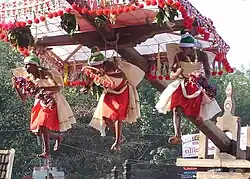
(45, 19)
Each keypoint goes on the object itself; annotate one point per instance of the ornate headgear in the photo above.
(32, 59)
(187, 40)
(96, 58)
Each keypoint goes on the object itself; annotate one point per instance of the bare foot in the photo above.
(116, 146)
(174, 140)
(58, 143)
(43, 155)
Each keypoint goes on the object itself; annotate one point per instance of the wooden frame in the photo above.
(230, 123)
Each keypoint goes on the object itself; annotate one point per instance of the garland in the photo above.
(28, 88)
(201, 81)
(167, 12)
(74, 83)
(104, 80)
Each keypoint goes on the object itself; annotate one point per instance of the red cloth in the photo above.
(191, 107)
(115, 106)
(43, 116)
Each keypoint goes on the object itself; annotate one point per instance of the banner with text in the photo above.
(190, 144)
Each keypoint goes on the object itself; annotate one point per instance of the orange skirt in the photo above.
(43, 116)
(115, 106)
(191, 107)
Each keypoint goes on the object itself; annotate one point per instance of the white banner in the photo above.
(190, 144)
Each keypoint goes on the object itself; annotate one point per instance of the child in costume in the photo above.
(117, 103)
(190, 90)
(44, 118)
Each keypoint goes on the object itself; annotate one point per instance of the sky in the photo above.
(230, 18)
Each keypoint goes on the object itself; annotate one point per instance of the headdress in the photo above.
(187, 40)
(32, 59)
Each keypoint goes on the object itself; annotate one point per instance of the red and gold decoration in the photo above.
(37, 11)
(98, 77)
(66, 80)
(203, 26)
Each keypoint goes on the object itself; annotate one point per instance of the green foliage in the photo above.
(84, 153)
(14, 116)
(68, 23)
(165, 15)
(21, 36)
(101, 20)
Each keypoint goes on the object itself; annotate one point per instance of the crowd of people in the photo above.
(119, 101)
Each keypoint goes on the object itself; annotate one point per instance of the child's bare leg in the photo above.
(118, 131)
(176, 139)
(44, 133)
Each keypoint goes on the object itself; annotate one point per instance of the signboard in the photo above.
(190, 144)
(188, 175)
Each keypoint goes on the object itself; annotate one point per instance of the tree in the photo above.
(14, 115)
(84, 153)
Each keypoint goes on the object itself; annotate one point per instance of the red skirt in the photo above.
(115, 106)
(191, 107)
(43, 116)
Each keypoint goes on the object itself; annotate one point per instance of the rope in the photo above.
(136, 134)
(112, 43)
(115, 157)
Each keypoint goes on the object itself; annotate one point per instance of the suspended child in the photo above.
(190, 90)
(51, 111)
(119, 102)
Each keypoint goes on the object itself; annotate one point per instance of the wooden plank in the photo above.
(230, 123)
(129, 36)
(248, 144)
(73, 53)
(218, 137)
(203, 146)
(198, 163)
(222, 175)
(213, 163)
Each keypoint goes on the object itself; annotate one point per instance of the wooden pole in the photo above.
(203, 146)
(209, 128)
(248, 144)
(114, 173)
(39, 144)
(127, 170)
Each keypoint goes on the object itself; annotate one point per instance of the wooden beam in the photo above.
(73, 53)
(141, 33)
(78, 38)
(203, 146)
(213, 163)
(222, 175)
(218, 137)
(129, 36)
(104, 30)
(132, 56)
(248, 144)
